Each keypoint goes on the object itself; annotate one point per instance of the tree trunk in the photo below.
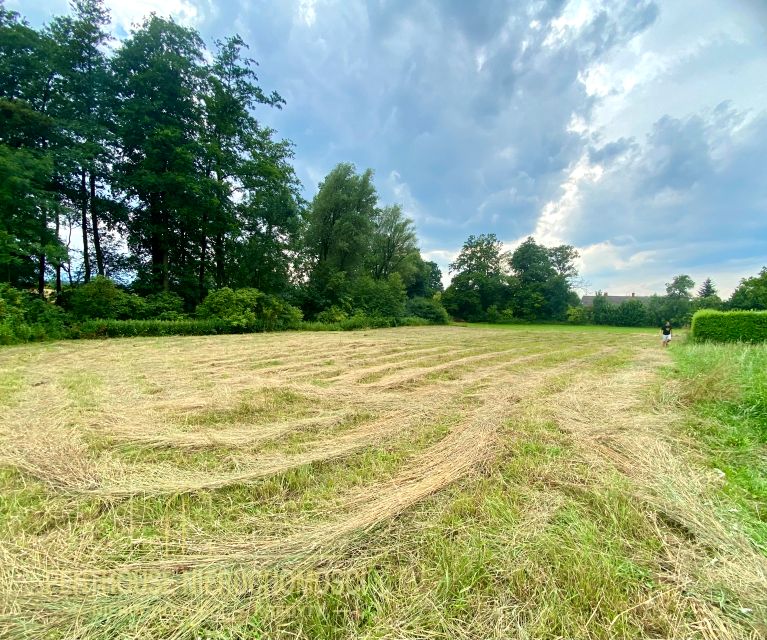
(156, 243)
(220, 266)
(84, 197)
(95, 227)
(58, 263)
(41, 276)
(203, 252)
(165, 273)
(41, 259)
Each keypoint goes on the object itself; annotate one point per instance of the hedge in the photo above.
(729, 326)
(134, 328)
(216, 326)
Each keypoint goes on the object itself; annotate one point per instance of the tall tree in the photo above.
(83, 108)
(159, 113)
(479, 282)
(481, 254)
(238, 153)
(426, 281)
(339, 226)
(707, 289)
(751, 293)
(394, 247)
(562, 259)
(29, 154)
(680, 287)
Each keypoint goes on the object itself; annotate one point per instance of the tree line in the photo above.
(677, 306)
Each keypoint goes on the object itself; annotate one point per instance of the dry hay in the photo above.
(107, 476)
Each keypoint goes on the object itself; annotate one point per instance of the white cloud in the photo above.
(126, 14)
(307, 11)
(552, 225)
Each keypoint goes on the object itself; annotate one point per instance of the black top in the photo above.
(666, 331)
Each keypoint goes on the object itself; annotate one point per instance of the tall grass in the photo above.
(725, 386)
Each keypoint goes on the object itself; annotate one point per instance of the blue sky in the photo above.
(635, 130)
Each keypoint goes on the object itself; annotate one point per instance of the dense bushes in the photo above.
(24, 317)
(135, 328)
(730, 326)
(250, 310)
(428, 309)
(101, 309)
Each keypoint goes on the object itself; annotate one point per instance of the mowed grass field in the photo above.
(434, 482)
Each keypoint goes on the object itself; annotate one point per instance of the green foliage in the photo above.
(249, 310)
(481, 254)
(136, 328)
(379, 298)
(102, 298)
(707, 289)
(13, 327)
(333, 315)
(680, 286)
(580, 314)
(24, 317)
(729, 326)
(47, 321)
(631, 313)
(429, 309)
(341, 217)
(393, 244)
(503, 316)
(426, 281)
(751, 293)
(164, 306)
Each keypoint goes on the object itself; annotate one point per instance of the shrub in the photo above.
(503, 316)
(332, 316)
(135, 328)
(164, 306)
(362, 321)
(379, 298)
(102, 298)
(13, 327)
(579, 315)
(631, 313)
(413, 321)
(249, 310)
(24, 317)
(730, 326)
(428, 309)
(47, 321)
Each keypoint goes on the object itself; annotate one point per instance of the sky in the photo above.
(634, 130)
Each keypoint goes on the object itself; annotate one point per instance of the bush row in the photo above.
(360, 321)
(729, 326)
(217, 326)
(135, 328)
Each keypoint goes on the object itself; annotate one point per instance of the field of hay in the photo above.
(433, 482)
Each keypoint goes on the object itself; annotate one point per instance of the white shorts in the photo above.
(667, 338)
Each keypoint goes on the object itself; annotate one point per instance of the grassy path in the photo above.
(421, 482)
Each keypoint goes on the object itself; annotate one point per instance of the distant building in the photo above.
(588, 301)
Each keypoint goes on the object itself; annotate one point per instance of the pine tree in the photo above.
(707, 289)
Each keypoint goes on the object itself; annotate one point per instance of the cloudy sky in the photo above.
(635, 130)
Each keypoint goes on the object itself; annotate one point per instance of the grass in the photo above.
(431, 482)
(726, 388)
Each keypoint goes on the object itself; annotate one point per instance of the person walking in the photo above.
(666, 333)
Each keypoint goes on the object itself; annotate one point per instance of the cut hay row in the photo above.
(154, 429)
(59, 458)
